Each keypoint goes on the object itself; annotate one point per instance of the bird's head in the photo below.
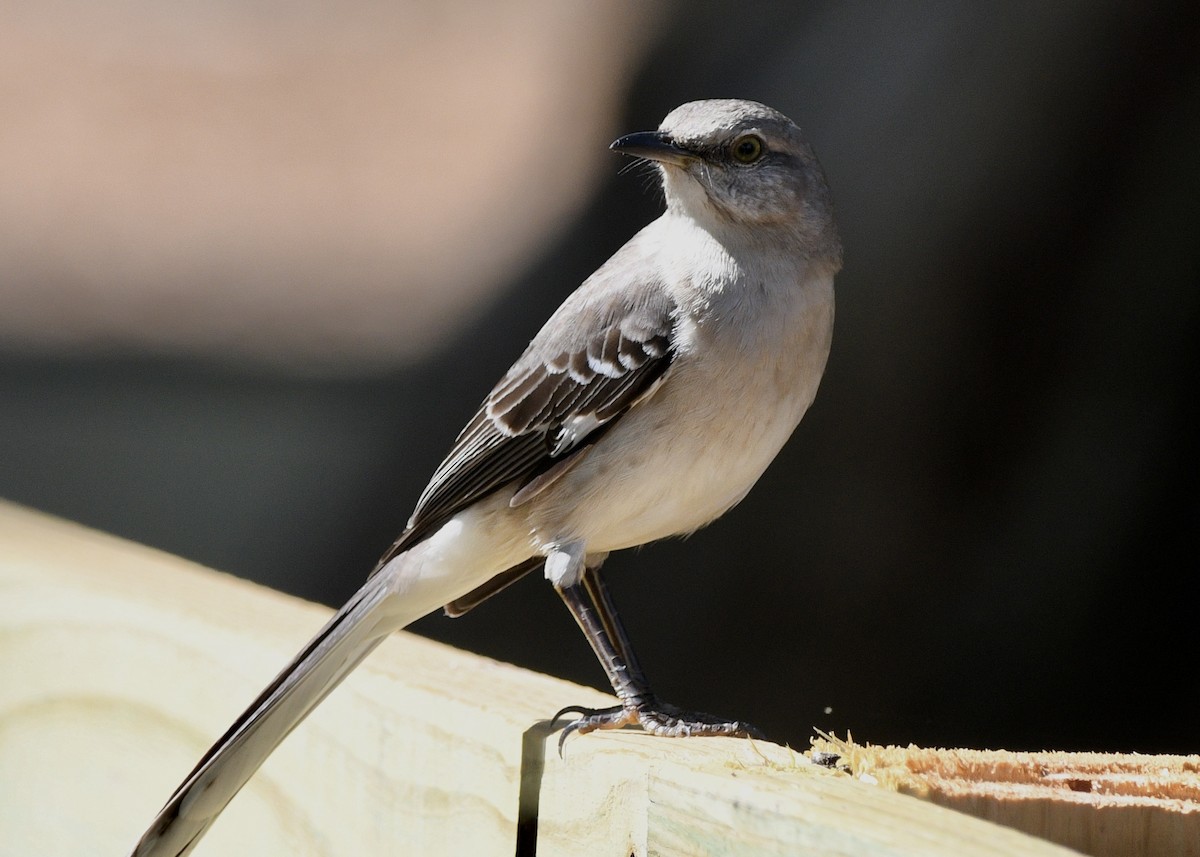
(741, 162)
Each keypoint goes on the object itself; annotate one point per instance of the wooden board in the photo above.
(119, 664)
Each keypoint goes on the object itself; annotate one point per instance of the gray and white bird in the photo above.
(646, 407)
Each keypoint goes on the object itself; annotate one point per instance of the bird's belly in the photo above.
(673, 466)
(698, 481)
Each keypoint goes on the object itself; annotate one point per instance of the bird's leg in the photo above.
(597, 593)
(586, 596)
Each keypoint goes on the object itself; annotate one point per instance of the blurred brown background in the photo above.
(259, 263)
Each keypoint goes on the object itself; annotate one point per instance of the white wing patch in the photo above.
(573, 431)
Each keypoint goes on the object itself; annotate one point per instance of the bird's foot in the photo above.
(657, 718)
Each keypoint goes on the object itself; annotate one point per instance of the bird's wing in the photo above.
(580, 374)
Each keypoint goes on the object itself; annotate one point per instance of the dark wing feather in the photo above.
(575, 378)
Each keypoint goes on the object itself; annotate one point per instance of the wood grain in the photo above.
(119, 664)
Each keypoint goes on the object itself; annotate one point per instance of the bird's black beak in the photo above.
(653, 146)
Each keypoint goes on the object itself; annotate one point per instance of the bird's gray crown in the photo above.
(702, 123)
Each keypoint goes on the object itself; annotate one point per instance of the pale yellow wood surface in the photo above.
(633, 794)
(120, 664)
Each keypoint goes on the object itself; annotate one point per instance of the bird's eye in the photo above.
(747, 149)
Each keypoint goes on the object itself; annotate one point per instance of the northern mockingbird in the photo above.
(647, 406)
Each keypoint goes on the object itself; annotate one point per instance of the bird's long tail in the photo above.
(352, 634)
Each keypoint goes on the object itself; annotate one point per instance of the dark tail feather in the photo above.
(351, 635)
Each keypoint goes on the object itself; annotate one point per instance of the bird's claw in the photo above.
(654, 717)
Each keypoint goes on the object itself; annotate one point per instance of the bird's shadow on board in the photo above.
(533, 764)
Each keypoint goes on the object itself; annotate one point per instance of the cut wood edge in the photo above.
(1124, 805)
